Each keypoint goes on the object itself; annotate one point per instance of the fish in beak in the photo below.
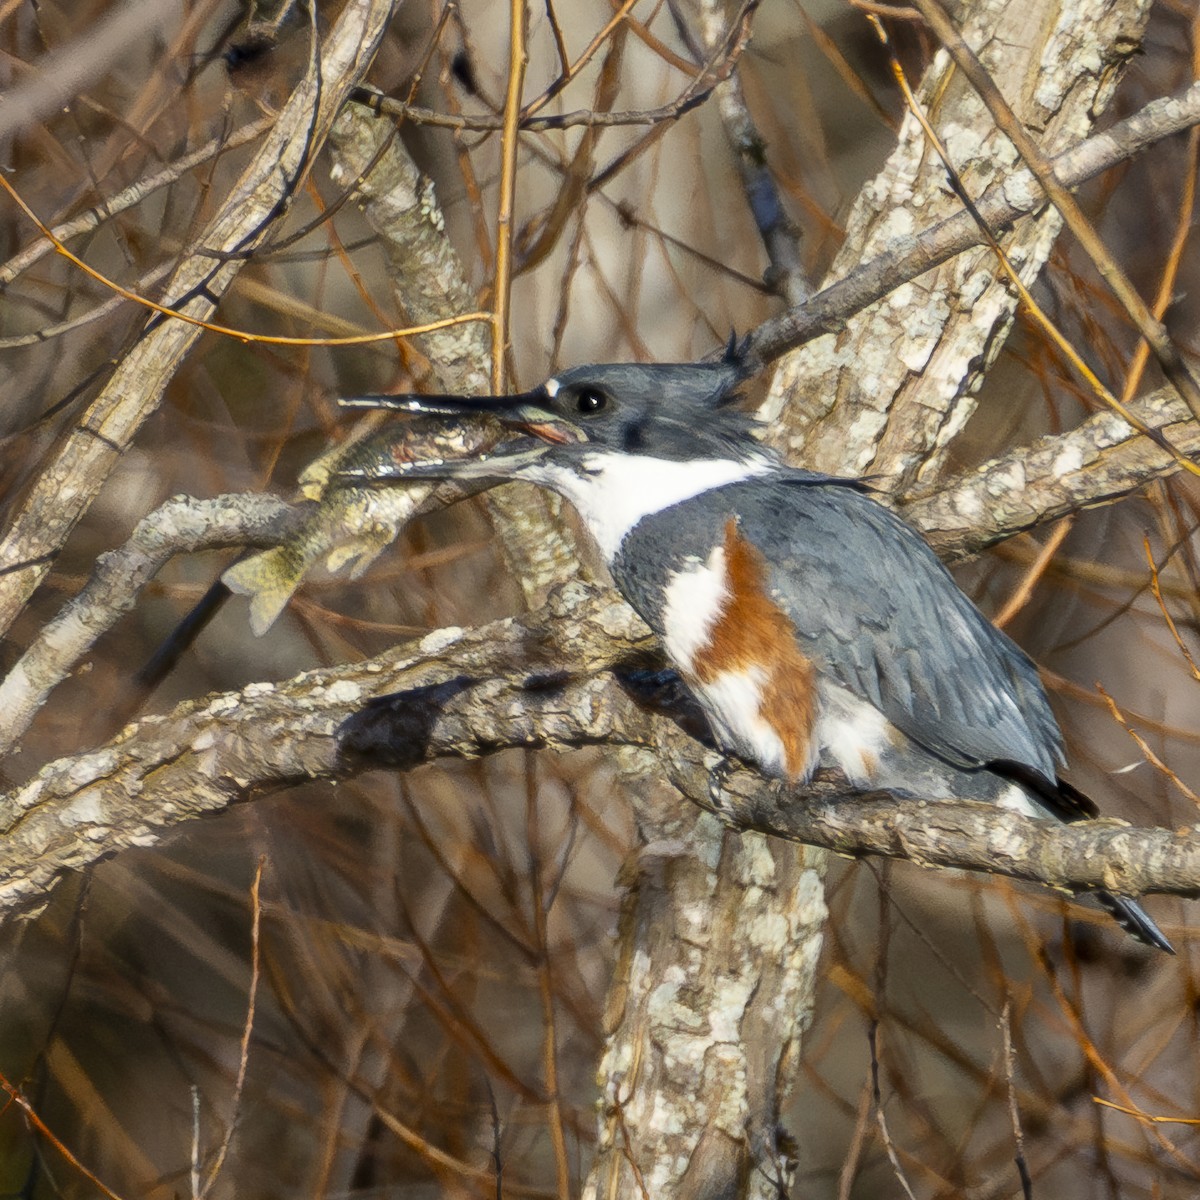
(526, 412)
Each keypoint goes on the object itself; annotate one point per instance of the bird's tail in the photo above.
(1134, 919)
(1069, 804)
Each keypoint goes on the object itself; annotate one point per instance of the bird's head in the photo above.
(670, 411)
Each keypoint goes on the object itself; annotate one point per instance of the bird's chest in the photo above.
(707, 597)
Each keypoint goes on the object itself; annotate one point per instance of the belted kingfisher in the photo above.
(813, 626)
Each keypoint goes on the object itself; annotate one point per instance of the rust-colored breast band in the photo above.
(753, 631)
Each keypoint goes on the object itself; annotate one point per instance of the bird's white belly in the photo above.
(734, 704)
(693, 602)
(852, 735)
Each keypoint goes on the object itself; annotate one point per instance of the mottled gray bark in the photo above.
(468, 692)
(887, 394)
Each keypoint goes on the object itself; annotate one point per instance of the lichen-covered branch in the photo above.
(207, 753)
(1101, 460)
(704, 1024)
(887, 395)
(1102, 854)
(472, 692)
(908, 255)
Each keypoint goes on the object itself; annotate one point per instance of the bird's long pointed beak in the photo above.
(443, 405)
(526, 411)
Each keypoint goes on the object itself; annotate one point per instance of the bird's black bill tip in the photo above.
(433, 405)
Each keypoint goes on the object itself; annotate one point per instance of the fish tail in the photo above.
(270, 579)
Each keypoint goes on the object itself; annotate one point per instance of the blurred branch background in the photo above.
(436, 949)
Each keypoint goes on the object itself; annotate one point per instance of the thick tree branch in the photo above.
(908, 256)
(890, 392)
(1101, 460)
(474, 692)
(1106, 853)
(1148, 325)
(209, 752)
(181, 525)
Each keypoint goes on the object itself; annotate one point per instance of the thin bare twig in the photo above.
(589, 51)
(897, 12)
(720, 67)
(858, 1142)
(129, 197)
(1014, 1112)
(1149, 1118)
(539, 236)
(242, 335)
(1152, 758)
(880, 1119)
(779, 236)
(194, 1165)
(691, 97)
(1166, 285)
(541, 945)
(239, 1082)
(81, 320)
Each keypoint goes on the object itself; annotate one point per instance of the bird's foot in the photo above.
(717, 779)
(735, 792)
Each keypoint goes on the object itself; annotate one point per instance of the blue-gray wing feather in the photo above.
(878, 612)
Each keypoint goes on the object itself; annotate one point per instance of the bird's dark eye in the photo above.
(591, 401)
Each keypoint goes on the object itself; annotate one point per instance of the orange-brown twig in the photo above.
(1149, 1118)
(1152, 758)
(48, 1134)
(545, 989)
(1154, 586)
(518, 58)
(589, 52)
(1037, 569)
(242, 335)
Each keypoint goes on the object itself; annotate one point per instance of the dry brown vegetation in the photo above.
(402, 983)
